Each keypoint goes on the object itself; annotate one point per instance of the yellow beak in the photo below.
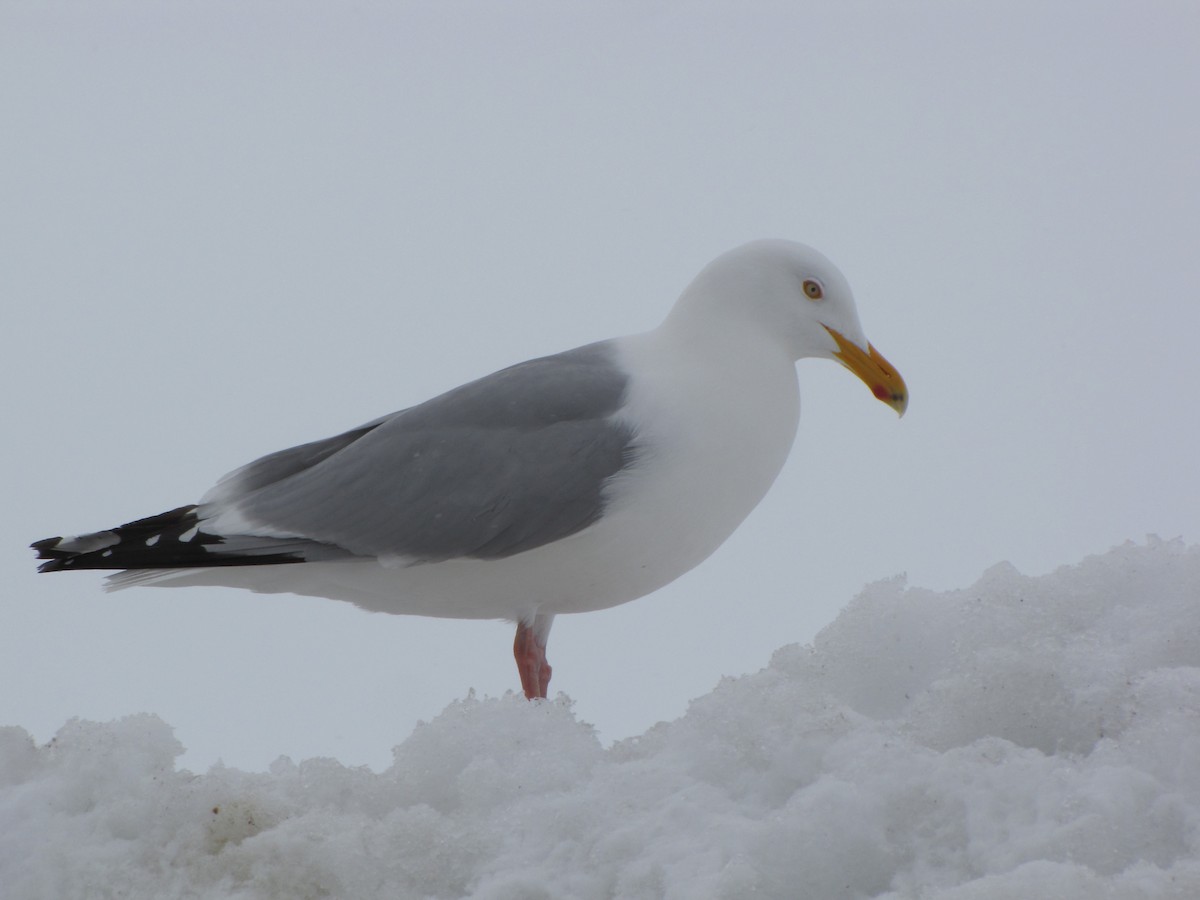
(875, 371)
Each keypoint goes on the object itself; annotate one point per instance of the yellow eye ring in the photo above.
(812, 290)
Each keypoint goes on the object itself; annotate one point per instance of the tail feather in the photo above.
(171, 540)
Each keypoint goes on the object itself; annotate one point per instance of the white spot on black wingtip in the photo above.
(88, 543)
(170, 540)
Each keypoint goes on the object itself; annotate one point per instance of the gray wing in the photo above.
(499, 466)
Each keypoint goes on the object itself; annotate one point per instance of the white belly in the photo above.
(712, 440)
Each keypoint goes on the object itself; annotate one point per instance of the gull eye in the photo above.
(812, 290)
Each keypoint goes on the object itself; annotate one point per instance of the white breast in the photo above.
(712, 436)
(712, 439)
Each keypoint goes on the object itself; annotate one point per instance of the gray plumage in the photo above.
(498, 466)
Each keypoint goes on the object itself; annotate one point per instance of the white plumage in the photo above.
(562, 485)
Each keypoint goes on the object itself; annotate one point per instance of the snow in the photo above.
(1023, 737)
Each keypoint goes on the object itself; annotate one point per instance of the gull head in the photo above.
(786, 296)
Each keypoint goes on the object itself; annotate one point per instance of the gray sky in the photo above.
(230, 228)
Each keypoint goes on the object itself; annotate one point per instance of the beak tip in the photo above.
(875, 371)
(898, 402)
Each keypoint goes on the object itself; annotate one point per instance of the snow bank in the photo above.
(1025, 737)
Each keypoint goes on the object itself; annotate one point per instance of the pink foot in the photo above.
(529, 648)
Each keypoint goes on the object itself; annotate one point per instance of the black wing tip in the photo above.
(45, 547)
(155, 542)
(99, 550)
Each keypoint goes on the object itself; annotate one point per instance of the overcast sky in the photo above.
(231, 228)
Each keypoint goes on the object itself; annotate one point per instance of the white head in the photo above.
(786, 295)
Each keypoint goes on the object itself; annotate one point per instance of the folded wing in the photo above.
(496, 467)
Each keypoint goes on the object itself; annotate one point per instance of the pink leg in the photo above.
(529, 648)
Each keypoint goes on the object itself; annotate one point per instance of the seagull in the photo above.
(563, 484)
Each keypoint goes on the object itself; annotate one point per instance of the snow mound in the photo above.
(1024, 737)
